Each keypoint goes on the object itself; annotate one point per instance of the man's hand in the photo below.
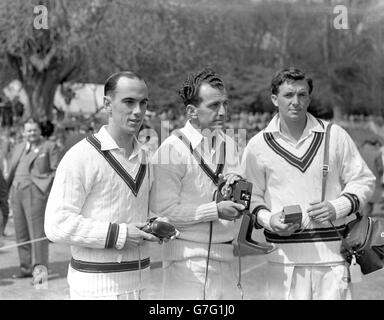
(282, 229)
(165, 219)
(229, 210)
(230, 178)
(135, 236)
(321, 212)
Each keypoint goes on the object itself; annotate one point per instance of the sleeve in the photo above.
(358, 180)
(54, 156)
(4, 206)
(64, 222)
(165, 197)
(253, 170)
(379, 164)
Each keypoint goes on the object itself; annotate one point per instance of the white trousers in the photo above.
(290, 282)
(185, 280)
(133, 295)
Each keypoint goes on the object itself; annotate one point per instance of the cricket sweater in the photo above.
(89, 207)
(284, 173)
(183, 192)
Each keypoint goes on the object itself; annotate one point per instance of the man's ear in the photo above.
(274, 100)
(191, 111)
(108, 105)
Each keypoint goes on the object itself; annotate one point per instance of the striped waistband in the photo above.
(306, 235)
(107, 267)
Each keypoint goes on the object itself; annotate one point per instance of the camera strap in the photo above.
(208, 256)
(324, 181)
(214, 176)
(325, 161)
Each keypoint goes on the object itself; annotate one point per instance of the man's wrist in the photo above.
(263, 216)
(342, 206)
(122, 237)
(207, 212)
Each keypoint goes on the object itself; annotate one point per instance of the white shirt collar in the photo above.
(312, 125)
(195, 137)
(28, 145)
(108, 143)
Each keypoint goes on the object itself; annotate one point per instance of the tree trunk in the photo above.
(284, 40)
(40, 94)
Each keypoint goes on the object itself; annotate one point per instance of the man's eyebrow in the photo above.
(133, 99)
(128, 98)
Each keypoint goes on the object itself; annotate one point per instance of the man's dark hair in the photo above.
(288, 75)
(111, 82)
(189, 91)
(33, 120)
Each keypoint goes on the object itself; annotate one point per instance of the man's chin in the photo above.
(297, 116)
(217, 126)
(128, 130)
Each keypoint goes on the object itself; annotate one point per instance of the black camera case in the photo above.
(240, 192)
(160, 229)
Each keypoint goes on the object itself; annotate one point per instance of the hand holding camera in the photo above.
(233, 198)
(155, 229)
(229, 210)
(281, 226)
(135, 236)
(160, 228)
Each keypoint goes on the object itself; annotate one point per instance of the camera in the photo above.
(160, 229)
(244, 238)
(292, 214)
(239, 192)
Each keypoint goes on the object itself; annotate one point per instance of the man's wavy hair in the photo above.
(189, 92)
(288, 75)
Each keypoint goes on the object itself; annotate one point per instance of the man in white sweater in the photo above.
(93, 209)
(187, 166)
(284, 162)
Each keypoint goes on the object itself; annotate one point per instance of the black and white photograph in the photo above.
(204, 151)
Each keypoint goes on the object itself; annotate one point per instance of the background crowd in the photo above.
(67, 129)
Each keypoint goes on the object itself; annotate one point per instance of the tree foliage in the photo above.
(245, 41)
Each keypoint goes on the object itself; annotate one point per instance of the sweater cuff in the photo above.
(342, 206)
(207, 212)
(122, 237)
(263, 218)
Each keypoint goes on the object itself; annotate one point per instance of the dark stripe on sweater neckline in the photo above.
(214, 176)
(133, 183)
(301, 163)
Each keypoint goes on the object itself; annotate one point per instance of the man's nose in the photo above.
(295, 100)
(136, 110)
(221, 111)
